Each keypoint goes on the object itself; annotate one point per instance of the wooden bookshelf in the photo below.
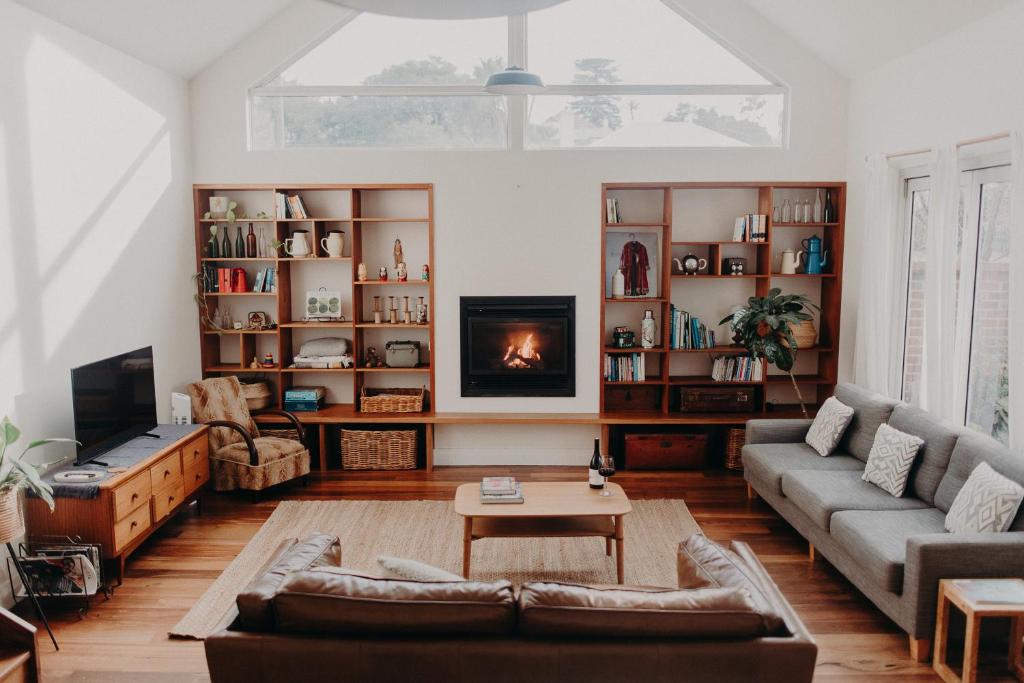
(698, 218)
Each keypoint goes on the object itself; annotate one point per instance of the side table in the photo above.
(978, 598)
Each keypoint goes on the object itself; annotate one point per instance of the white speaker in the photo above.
(181, 409)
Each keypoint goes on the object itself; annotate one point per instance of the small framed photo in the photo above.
(258, 320)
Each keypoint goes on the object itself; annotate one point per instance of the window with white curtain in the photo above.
(619, 74)
(981, 279)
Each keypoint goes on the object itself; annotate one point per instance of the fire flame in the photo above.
(525, 356)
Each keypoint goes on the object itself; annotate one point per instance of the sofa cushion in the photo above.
(402, 568)
(987, 503)
(973, 448)
(933, 458)
(829, 425)
(877, 539)
(349, 603)
(892, 456)
(570, 610)
(255, 602)
(765, 463)
(820, 494)
(870, 410)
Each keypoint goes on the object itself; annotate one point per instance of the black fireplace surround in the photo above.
(518, 345)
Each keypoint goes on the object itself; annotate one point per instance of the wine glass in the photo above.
(607, 469)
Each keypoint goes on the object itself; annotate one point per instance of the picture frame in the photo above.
(323, 303)
(258, 320)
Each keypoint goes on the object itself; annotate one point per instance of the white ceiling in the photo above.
(179, 36)
(856, 36)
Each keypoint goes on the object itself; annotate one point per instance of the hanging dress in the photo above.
(634, 265)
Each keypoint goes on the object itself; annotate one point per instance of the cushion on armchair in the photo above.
(268, 449)
(221, 398)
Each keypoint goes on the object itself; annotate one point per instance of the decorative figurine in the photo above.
(255, 363)
(425, 273)
(372, 359)
(361, 272)
(648, 330)
(382, 274)
(406, 313)
(403, 274)
(618, 285)
(399, 256)
(377, 310)
(421, 311)
(268, 360)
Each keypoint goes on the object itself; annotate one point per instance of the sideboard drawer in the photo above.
(131, 494)
(196, 475)
(194, 452)
(129, 528)
(166, 471)
(166, 500)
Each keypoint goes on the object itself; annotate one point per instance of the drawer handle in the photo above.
(199, 475)
(170, 499)
(133, 525)
(135, 497)
(167, 473)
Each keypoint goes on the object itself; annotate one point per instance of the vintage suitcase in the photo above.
(632, 398)
(666, 451)
(402, 354)
(717, 400)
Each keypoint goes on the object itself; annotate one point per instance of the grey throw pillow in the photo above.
(400, 568)
(988, 502)
(829, 424)
(891, 457)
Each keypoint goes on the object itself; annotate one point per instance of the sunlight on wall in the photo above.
(10, 369)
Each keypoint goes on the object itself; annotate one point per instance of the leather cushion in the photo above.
(570, 610)
(255, 602)
(337, 603)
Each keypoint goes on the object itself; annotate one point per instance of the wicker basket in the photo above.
(257, 395)
(279, 432)
(378, 450)
(12, 521)
(734, 440)
(391, 400)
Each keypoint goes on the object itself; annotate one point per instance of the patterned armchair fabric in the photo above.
(277, 459)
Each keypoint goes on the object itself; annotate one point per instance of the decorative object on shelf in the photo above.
(399, 255)
(268, 360)
(734, 265)
(392, 310)
(225, 244)
(425, 273)
(361, 272)
(226, 321)
(817, 206)
(297, 245)
(403, 274)
(814, 258)
(776, 214)
(788, 262)
(391, 400)
(421, 311)
(735, 438)
(648, 330)
(406, 312)
(717, 400)
(237, 325)
(382, 274)
(690, 264)
(623, 338)
(805, 334)
(787, 212)
(766, 322)
(378, 310)
(212, 248)
(239, 242)
(322, 303)
(256, 394)
(250, 244)
(324, 353)
(372, 359)
(637, 255)
(634, 264)
(263, 246)
(378, 450)
(402, 354)
(334, 243)
(255, 364)
(829, 213)
(239, 283)
(618, 284)
(221, 208)
(258, 320)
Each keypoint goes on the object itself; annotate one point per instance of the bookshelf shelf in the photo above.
(386, 283)
(418, 368)
(704, 380)
(706, 276)
(634, 349)
(239, 369)
(393, 326)
(317, 325)
(240, 294)
(635, 301)
(806, 225)
(236, 332)
(369, 219)
(236, 221)
(804, 275)
(326, 371)
(635, 225)
(243, 259)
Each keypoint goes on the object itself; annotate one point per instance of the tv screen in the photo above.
(114, 401)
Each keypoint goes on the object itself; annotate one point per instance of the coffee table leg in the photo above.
(619, 559)
(467, 546)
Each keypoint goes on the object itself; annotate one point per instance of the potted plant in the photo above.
(17, 474)
(765, 329)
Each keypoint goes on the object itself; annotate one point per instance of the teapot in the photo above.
(297, 245)
(690, 264)
(788, 261)
(814, 258)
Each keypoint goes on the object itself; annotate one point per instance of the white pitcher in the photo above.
(334, 243)
(297, 245)
(789, 261)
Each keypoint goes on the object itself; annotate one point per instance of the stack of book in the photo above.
(499, 490)
(612, 206)
(290, 206)
(625, 367)
(304, 399)
(751, 227)
(688, 332)
(737, 369)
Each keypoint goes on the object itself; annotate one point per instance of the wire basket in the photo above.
(393, 449)
(734, 440)
(391, 400)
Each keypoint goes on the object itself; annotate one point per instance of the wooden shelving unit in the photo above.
(698, 218)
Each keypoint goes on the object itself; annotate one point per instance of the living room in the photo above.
(527, 306)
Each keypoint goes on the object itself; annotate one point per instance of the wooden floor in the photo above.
(124, 639)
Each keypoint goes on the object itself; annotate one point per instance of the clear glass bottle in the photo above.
(787, 212)
(817, 206)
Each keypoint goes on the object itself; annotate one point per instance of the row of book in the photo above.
(290, 206)
(612, 210)
(688, 332)
(304, 399)
(625, 367)
(737, 369)
(500, 490)
(234, 280)
(751, 227)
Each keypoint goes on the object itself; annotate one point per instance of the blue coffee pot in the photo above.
(812, 255)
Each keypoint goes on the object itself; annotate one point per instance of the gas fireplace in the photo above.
(518, 345)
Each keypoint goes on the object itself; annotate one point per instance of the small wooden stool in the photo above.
(978, 598)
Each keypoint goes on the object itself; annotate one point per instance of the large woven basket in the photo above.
(734, 440)
(12, 521)
(391, 400)
(393, 449)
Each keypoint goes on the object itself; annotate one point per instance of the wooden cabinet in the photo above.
(130, 505)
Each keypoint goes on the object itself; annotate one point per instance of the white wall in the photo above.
(513, 222)
(961, 86)
(95, 220)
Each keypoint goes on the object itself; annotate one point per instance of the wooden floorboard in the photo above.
(125, 638)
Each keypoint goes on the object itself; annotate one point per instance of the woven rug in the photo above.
(431, 532)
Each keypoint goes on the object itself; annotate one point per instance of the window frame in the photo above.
(913, 180)
(516, 105)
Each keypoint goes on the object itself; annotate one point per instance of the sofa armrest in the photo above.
(777, 431)
(931, 557)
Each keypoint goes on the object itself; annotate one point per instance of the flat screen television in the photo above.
(114, 401)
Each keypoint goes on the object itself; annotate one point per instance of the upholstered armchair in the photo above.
(239, 457)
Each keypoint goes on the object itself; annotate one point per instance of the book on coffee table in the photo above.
(505, 491)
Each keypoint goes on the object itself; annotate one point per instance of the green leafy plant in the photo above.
(231, 216)
(199, 297)
(763, 328)
(15, 472)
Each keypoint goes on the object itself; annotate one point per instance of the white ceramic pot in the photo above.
(219, 207)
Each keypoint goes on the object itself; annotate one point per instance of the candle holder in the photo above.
(377, 310)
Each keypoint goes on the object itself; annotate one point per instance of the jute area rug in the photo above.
(431, 532)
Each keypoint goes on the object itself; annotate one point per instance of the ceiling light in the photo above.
(514, 81)
(447, 9)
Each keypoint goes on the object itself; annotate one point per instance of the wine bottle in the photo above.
(225, 244)
(239, 242)
(250, 243)
(596, 480)
(817, 206)
(830, 208)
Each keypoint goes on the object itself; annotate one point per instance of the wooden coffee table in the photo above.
(977, 599)
(550, 509)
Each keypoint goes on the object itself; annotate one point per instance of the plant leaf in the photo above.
(35, 482)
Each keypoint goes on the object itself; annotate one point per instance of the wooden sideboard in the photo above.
(130, 505)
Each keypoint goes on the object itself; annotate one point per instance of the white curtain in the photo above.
(1016, 321)
(875, 364)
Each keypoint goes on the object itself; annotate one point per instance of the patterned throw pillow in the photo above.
(987, 502)
(890, 459)
(829, 424)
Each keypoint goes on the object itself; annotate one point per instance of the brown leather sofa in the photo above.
(306, 620)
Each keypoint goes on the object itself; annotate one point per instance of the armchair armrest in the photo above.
(291, 418)
(246, 436)
(777, 431)
(931, 557)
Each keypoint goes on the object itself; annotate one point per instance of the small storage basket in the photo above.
(257, 395)
(734, 440)
(393, 449)
(391, 400)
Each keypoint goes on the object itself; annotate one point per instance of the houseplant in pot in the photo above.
(765, 328)
(17, 474)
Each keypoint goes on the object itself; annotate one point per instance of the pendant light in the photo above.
(514, 81)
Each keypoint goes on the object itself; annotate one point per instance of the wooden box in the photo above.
(717, 400)
(632, 398)
(666, 451)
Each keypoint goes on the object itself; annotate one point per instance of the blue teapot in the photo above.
(813, 257)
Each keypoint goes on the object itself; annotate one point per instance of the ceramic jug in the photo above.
(788, 262)
(297, 245)
(334, 243)
(814, 258)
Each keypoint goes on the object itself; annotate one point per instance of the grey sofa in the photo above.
(894, 550)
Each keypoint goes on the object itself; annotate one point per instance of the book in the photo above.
(305, 393)
(301, 406)
(512, 498)
(494, 486)
(258, 285)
